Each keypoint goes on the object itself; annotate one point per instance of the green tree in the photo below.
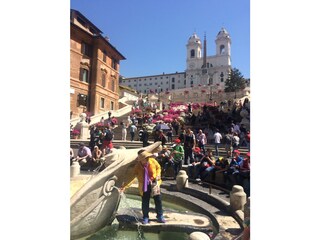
(235, 82)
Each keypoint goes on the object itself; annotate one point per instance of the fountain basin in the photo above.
(187, 222)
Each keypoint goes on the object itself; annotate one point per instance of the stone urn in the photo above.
(237, 198)
(182, 180)
(74, 169)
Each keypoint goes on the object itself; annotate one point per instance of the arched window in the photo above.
(192, 53)
(222, 49)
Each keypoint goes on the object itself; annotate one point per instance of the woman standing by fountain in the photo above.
(148, 172)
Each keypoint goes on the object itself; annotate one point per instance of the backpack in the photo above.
(109, 135)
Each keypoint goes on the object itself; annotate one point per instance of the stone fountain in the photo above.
(95, 204)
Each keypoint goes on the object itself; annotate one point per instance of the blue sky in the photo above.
(153, 34)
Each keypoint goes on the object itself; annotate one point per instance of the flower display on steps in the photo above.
(75, 133)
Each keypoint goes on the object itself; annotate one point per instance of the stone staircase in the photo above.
(116, 143)
(118, 131)
(137, 144)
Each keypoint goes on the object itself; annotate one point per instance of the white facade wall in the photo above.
(130, 96)
(156, 83)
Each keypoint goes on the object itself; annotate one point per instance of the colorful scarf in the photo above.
(146, 177)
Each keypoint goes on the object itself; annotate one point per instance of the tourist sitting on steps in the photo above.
(206, 164)
(148, 172)
(84, 156)
(97, 158)
(176, 158)
(244, 174)
(193, 168)
(231, 175)
(220, 165)
(163, 157)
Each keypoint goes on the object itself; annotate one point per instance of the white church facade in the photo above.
(201, 69)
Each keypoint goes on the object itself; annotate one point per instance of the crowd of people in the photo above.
(196, 147)
(189, 146)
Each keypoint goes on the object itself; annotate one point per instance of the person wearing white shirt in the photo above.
(217, 137)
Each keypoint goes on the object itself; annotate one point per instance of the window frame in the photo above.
(86, 49)
(82, 71)
(104, 56)
(102, 103)
(103, 79)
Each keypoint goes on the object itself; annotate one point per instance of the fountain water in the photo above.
(115, 232)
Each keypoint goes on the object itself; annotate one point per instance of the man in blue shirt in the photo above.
(232, 173)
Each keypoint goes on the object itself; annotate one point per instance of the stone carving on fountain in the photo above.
(94, 206)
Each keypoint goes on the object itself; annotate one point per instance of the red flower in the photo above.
(186, 91)
(218, 84)
(114, 120)
(75, 132)
(167, 92)
(203, 90)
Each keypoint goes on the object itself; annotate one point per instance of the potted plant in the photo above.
(75, 133)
